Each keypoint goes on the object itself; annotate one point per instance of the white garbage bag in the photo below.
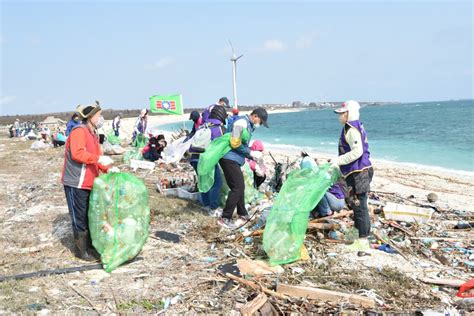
(175, 151)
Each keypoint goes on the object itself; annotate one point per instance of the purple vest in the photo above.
(337, 191)
(216, 128)
(207, 112)
(216, 131)
(363, 162)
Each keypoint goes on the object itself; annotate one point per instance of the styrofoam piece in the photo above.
(182, 193)
(407, 213)
(142, 164)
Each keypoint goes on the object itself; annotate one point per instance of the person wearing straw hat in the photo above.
(83, 162)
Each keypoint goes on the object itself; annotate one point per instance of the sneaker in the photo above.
(242, 220)
(226, 223)
(217, 212)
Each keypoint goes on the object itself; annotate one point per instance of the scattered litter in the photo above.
(174, 238)
(407, 213)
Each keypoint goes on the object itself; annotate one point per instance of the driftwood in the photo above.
(324, 295)
(376, 234)
(323, 226)
(439, 238)
(445, 282)
(337, 215)
(255, 286)
(314, 224)
(269, 310)
(254, 305)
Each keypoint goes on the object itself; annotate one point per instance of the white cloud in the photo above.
(273, 45)
(7, 99)
(164, 62)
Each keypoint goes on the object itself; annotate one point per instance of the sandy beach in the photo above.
(183, 277)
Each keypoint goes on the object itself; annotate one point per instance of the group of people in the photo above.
(19, 129)
(84, 161)
(216, 119)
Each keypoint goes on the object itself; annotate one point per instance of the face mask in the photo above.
(100, 122)
(257, 125)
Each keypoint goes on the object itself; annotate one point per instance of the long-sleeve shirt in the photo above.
(81, 159)
(354, 139)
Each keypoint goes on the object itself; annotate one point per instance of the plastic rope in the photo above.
(372, 295)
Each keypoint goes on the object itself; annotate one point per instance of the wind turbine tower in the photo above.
(234, 72)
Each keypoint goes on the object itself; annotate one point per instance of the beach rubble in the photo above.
(181, 267)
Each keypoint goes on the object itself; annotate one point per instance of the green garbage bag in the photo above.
(112, 139)
(251, 194)
(135, 154)
(210, 158)
(287, 222)
(119, 217)
(140, 141)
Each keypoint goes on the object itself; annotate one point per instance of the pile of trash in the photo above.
(420, 256)
(427, 248)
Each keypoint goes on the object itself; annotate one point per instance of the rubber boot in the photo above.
(90, 248)
(80, 239)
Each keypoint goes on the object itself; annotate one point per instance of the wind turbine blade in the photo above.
(232, 47)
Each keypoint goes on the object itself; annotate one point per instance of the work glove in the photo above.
(114, 170)
(105, 160)
(256, 155)
(259, 171)
(334, 164)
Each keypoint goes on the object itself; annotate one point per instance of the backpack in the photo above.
(202, 137)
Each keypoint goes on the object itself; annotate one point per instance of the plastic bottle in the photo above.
(351, 235)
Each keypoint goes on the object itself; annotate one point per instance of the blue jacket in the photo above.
(70, 125)
(243, 151)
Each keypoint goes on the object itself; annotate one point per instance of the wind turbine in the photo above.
(234, 71)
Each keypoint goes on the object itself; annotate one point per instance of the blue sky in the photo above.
(55, 55)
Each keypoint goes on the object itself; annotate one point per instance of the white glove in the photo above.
(256, 155)
(114, 170)
(259, 171)
(334, 164)
(105, 160)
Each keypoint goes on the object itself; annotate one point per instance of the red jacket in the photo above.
(81, 159)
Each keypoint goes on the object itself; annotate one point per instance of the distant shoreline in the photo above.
(281, 107)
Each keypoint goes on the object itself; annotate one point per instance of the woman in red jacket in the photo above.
(83, 161)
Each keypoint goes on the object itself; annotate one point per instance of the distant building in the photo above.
(52, 123)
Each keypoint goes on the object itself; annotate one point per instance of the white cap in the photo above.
(350, 106)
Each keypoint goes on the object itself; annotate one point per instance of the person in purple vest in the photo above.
(210, 199)
(356, 168)
(222, 102)
(332, 201)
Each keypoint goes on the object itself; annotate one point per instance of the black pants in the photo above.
(235, 180)
(360, 183)
(361, 215)
(58, 143)
(258, 180)
(78, 205)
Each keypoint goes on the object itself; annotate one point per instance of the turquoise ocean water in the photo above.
(431, 133)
